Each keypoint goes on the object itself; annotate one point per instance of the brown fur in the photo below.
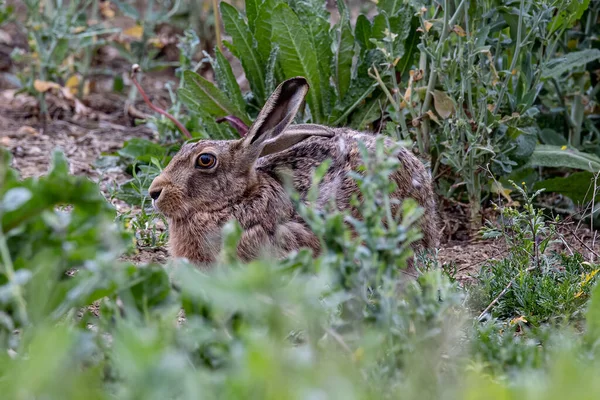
(246, 184)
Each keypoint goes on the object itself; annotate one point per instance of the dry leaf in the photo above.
(26, 130)
(156, 42)
(5, 38)
(496, 78)
(459, 30)
(418, 75)
(501, 190)
(432, 116)
(443, 104)
(44, 86)
(428, 25)
(136, 32)
(73, 84)
(518, 319)
(106, 10)
(5, 141)
(406, 97)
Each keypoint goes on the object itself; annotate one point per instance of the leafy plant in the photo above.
(60, 46)
(467, 84)
(296, 39)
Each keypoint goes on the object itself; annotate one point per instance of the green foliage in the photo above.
(343, 325)
(60, 44)
(535, 285)
(554, 156)
(295, 38)
(470, 94)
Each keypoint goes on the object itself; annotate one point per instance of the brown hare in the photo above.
(209, 182)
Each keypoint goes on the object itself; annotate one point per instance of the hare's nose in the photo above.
(155, 193)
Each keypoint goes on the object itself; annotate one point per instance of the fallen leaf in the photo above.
(5, 38)
(73, 84)
(459, 30)
(44, 86)
(443, 104)
(106, 10)
(518, 319)
(136, 32)
(26, 130)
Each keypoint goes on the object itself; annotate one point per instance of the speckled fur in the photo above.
(412, 178)
(249, 188)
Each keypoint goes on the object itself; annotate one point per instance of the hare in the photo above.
(209, 182)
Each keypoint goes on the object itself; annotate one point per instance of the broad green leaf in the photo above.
(344, 52)
(263, 30)
(550, 136)
(366, 114)
(271, 79)
(360, 89)
(411, 50)
(252, 7)
(567, 17)
(380, 24)
(391, 7)
(577, 186)
(401, 25)
(556, 157)
(228, 84)
(569, 62)
(362, 32)
(142, 150)
(198, 93)
(244, 49)
(298, 56)
(525, 141)
(315, 19)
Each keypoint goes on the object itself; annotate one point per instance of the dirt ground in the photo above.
(100, 123)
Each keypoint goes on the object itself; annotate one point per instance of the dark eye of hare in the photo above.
(206, 161)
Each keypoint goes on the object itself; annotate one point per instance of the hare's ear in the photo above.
(277, 114)
(292, 135)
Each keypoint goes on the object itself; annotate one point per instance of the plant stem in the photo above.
(134, 69)
(217, 24)
(10, 274)
(433, 73)
(513, 63)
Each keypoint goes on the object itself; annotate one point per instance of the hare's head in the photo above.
(209, 174)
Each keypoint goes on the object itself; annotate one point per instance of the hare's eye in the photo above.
(205, 161)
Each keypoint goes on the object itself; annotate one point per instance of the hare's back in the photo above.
(343, 151)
